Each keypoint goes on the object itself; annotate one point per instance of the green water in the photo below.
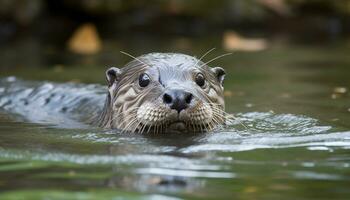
(296, 143)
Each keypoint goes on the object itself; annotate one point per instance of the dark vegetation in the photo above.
(55, 21)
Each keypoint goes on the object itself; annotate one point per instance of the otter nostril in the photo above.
(188, 98)
(167, 98)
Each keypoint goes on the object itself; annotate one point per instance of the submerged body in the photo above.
(164, 92)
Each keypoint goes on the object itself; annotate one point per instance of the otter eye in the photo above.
(200, 80)
(144, 80)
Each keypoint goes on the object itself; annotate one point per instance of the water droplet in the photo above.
(308, 164)
(11, 79)
(249, 105)
(340, 90)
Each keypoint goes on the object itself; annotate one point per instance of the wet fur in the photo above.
(126, 99)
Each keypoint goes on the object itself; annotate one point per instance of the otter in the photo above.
(164, 92)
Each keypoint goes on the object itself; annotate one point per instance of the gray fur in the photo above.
(131, 108)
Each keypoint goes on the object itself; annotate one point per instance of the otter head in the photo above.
(164, 92)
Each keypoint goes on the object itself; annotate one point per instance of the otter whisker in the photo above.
(149, 128)
(158, 128)
(218, 116)
(139, 127)
(188, 125)
(211, 60)
(206, 53)
(130, 110)
(214, 124)
(215, 105)
(131, 56)
(218, 119)
(194, 128)
(210, 126)
(239, 121)
(230, 118)
(117, 116)
(193, 125)
(136, 127)
(133, 117)
(204, 129)
(214, 119)
(163, 126)
(200, 126)
(218, 110)
(221, 115)
(227, 116)
(129, 125)
(155, 129)
(144, 127)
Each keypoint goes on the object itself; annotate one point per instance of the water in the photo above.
(295, 143)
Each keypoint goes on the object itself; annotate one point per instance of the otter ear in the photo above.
(220, 74)
(112, 75)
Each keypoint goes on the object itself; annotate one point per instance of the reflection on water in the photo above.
(290, 139)
(46, 102)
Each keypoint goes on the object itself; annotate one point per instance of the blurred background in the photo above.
(52, 35)
(293, 50)
(287, 80)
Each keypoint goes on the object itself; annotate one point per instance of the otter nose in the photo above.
(177, 99)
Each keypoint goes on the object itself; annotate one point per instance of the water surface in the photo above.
(295, 142)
